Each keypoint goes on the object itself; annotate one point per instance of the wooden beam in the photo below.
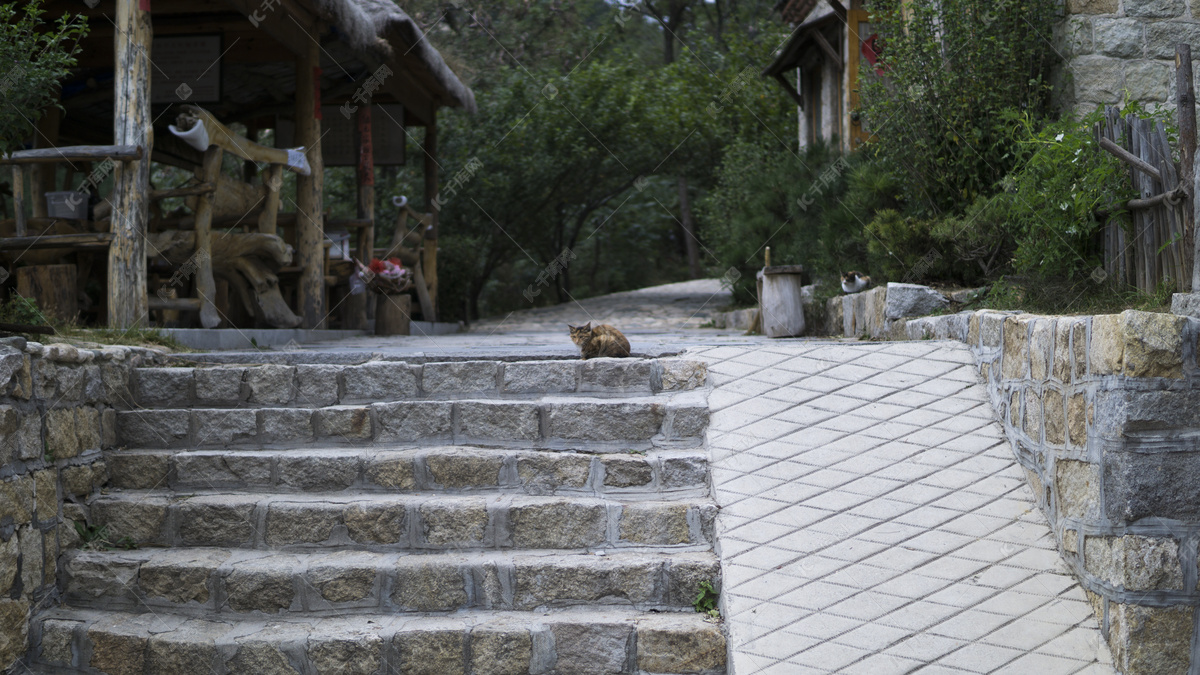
(1131, 159)
(178, 304)
(133, 126)
(206, 286)
(310, 254)
(833, 55)
(787, 86)
(201, 189)
(75, 153)
(18, 193)
(294, 28)
(84, 241)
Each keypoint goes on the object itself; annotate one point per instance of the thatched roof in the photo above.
(380, 29)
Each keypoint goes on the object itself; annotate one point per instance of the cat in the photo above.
(853, 282)
(603, 340)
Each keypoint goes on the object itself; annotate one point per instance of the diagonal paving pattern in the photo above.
(873, 519)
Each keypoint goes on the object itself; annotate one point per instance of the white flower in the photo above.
(1059, 138)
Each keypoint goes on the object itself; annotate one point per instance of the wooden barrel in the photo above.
(392, 314)
(781, 299)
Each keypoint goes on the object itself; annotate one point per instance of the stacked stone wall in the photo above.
(57, 412)
(1114, 47)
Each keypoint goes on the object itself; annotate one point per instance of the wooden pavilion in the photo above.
(168, 81)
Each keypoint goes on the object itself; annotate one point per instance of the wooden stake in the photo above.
(132, 125)
(18, 190)
(1186, 111)
(310, 253)
(206, 287)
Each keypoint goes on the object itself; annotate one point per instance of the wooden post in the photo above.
(18, 190)
(356, 312)
(206, 287)
(272, 178)
(132, 125)
(310, 254)
(42, 177)
(392, 314)
(429, 259)
(53, 287)
(1186, 112)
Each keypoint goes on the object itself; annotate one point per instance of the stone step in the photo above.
(314, 385)
(418, 521)
(208, 582)
(573, 642)
(564, 422)
(446, 468)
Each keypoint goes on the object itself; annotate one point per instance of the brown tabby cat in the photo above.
(603, 340)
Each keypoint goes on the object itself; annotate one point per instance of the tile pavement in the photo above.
(873, 519)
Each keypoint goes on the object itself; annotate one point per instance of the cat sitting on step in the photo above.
(853, 282)
(603, 340)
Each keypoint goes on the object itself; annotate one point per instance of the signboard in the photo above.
(185, 69)
(337, 135)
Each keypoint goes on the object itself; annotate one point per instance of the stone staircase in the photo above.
(469, 517)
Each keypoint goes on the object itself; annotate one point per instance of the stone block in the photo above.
(413, 420)
(1041, 348)
(459, 377)
(391, 470)
(655, 524)
(688, 421)
(465, 470)
(1060, 368)
(991, 328)
(626, 471)
(613, 374)
(29, 542)
(592, 648)
(14, 630)
(380, 381)
(182, 580)
(428, 587)
(1074, 36)
(1148, 81)
(16, 500)
(216, 521)
(1150, 640)
(62, 437)
(1079, 350)
(1032, 420)
(498, 650)
(604, 421)
(271, 384)
(138, 471)
(540, 377)
(45, 490)
(500, 420)
(1015, 360)
(904, 300)
(88, 428)
(29, 437)
(677, 645)
(152, 428)
(164, 387)
(316, 385)
(1054, 416)
(219, 386)
(1140, 485)
(432, 651)
(1153, 344)
(225, 427)
(544, 473)
(300, 523)
(545, 582)
(215, 469)
(558, 524)
(1091, 6)
(1123, 38)
(189, 650)
(684, 577)
(260, 587)
(260, 658)
(1077, 420)
(1155, 9)
(10, 421)
(141, 521)
(286, 425)
(345, 423)
(454, 523)
(1077, 488)
(341, 579)
(375, 523)
(682, 374)
(684, 472)
(318, 473)
(116, 653)
(10, 554)
(1106, 353)
(116, 384)
(1098, 79)
(57, 639)
(357, 654)
(108, 427)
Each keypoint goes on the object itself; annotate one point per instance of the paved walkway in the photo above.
(874, 520)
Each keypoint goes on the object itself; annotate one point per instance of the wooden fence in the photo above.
(1158, 244)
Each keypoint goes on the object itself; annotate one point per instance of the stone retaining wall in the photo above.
(56, 413)
(1103, 413)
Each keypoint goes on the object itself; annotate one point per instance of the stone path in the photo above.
(874, 520)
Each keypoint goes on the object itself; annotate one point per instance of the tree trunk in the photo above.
(310, 254)
(132, 125)
(356, 305)
(691, 243)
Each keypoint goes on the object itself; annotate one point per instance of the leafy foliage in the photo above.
(22, 310)
(36, 59)
(706, 601)
(952, 70)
